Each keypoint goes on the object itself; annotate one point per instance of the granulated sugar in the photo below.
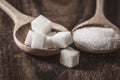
(97, 38)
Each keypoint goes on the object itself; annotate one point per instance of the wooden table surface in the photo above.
(17, 65)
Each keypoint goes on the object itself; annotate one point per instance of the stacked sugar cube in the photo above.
(41, 37)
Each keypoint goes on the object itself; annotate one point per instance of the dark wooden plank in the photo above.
(16, 65)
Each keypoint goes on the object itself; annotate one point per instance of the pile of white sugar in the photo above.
(97, 38)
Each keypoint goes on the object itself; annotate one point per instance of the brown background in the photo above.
(16, 65)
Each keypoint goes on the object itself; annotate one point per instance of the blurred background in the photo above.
(16, 65)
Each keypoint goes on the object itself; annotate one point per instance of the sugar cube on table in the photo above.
(41, 25)
(62, 39)
(69, 57)
(49, 42)
(28, 39)
(38, 41)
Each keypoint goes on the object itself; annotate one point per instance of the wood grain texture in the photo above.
(16, 65)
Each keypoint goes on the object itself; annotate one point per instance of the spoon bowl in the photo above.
(22, 26)
(98, 20)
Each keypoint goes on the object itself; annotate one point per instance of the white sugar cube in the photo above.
(51, 34)
(41, 25)
(69, 57)
(49, 42)
(28, 39)
(62, 39)
(38, 41)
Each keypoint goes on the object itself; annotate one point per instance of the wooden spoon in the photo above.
(22, 25)
(98, 20)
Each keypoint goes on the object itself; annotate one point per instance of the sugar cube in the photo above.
(62, 39)
(38, 41)
(49, 42)
(69, 57)
(28, 39)
(41, 25)
(51, 34)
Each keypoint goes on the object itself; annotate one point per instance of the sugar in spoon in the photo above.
(22, 25)
(98, 20)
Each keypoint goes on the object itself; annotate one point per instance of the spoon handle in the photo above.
(16, 15)
(99, 8)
